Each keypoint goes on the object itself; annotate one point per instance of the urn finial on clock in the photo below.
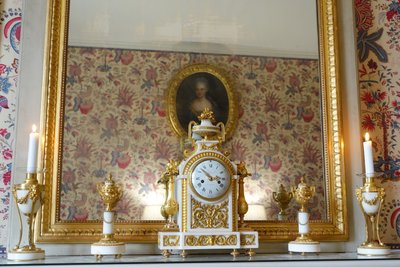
(206, 129)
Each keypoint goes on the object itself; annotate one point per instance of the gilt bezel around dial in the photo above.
(201, 158)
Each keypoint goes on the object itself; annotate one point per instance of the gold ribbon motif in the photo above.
(209, 216)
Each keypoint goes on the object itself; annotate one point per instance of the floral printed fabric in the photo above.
(378, 25)
(116, 122)
(10, 30)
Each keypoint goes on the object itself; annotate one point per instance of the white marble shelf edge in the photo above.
(327, 259)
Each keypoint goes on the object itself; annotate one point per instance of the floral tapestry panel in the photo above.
(390, 215)
(116, 122)
(378, 41)
(10, 30)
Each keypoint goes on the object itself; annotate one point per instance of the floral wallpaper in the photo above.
(116, 122)
(378, 42)
(10, 31)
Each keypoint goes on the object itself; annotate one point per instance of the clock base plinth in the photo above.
(185, 241)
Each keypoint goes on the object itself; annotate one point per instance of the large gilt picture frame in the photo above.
(196, 87)
(51, 229)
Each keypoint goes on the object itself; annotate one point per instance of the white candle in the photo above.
(33, 150)
(368, 157)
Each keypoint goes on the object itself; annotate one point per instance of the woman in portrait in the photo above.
(202, 100)
(200, 91)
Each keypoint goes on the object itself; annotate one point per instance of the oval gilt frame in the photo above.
(194, 69)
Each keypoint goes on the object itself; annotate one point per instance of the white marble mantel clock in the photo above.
(203, 198)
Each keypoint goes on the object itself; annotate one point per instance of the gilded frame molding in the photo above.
(185, 73)
(52, 230)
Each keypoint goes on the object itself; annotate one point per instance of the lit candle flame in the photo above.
(366, 137)
(34, 128)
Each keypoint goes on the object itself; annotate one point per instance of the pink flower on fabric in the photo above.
(126, 58)
(372, 64)
(3, 131)
(390, 14)
(368, 123)
(271, 65)
(364, 15)
(151, 74)
(75, 69)
(112, 122)
(2, 68)
(394, 9)
(262, 128)
(368, 98)
(7, 153)
(7, 178)
(149, 177)
(294, 80)
(123, 161)
(69, 176)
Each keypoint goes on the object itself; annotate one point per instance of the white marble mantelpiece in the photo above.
(327, 259)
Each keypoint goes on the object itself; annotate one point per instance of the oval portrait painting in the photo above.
(195, 88)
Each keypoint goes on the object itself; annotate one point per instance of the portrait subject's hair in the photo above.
(201, 80)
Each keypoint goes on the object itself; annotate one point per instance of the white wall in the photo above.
(275, 27)
(30, 103)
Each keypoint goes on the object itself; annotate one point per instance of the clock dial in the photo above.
(210, 179)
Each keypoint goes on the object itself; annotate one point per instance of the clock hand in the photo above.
(214, 178)
(217, 178)
(210, 178)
